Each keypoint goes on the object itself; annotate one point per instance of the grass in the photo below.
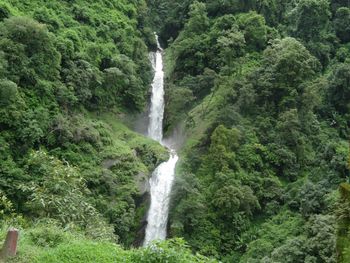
(50, 244)
(126, 140)
(83, 251)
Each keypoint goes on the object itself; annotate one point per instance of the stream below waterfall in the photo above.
(163, 177)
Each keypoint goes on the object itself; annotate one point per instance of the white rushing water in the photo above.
(155, 126)
(163, 177)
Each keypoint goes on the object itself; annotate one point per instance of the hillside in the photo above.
(70, 70)
(261, 89)
(256, 103)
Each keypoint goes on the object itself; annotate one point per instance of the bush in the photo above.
(47, 236)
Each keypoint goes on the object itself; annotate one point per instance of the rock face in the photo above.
(142, 203)
(109, 163)
(140, 235)
(142, 182)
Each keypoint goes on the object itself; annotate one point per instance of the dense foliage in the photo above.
(343, 217)
(261, 89)
(63, 64)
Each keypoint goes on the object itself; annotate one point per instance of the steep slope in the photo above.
(260, 89)
(69, 71)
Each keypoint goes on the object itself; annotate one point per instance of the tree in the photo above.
(224, 142)
(221, 7)
(34, 126)
(58, 191)
(200, 85)
(4, 11)
(339, 88)
(289, 128)
(8, 93)
(172, 18)
(198, 21)
(231, 45)
(255, 31)
(312, 17)
(321, 243)
(312, 199)
(342, 24)
(29, 47)
(339, 3)
(83, 78)
(293, 251)
(230, 197)
(48, 17)
(12, 104)
(286, 65)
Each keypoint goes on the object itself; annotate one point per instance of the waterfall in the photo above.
(163, 177)
(155, 127)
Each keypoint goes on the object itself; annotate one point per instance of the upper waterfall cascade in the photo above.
(163, 177)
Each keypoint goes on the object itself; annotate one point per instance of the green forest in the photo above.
(259, 90)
